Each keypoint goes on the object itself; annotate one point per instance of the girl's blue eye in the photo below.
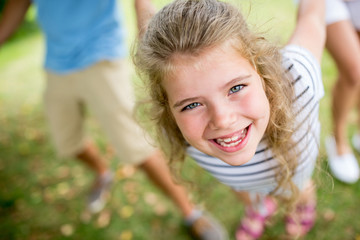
(236, 88)
(191, 106)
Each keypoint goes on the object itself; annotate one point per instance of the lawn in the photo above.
(43, 197)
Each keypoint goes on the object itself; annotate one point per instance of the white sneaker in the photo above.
(344, 167)
(97, 197)
(356, 142)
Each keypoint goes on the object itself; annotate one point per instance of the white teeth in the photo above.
(233, 141)
(227, 140)
(234, 138)
(230, 144)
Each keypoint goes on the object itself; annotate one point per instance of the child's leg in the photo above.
(156, 169)
(301, 219)
(91, 157)
(201, 224)
(343, 45)
(257, 210)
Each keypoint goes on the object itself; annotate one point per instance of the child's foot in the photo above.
(253, 224)
(344, 167)
(301, 220)
(204, 227)
(97, 196)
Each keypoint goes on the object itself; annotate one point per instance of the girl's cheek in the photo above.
(183, 122)
(248, 102)
(255, 102)
(186, 125)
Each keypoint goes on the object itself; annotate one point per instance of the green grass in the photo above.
(43, 197)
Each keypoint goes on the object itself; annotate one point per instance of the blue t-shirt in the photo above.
(80, 33)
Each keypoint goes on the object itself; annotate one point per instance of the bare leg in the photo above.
(344, 46)
(91, 158)
(244, 197)
(301, 219)
(201, 224)
(157, 170)
(257, 211)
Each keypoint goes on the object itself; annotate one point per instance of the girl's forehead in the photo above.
(219, 62)
(199, 58)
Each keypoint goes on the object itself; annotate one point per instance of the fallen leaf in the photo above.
(150, 198)
(126, 235)
(62, 188)
(132, 197)
(125, 171)
(63, 172)
(126, 211)
(85, 216)
(103, 219)
(67, 230)
(160, 209)
(329, 215)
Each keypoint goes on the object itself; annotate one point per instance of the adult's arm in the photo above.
(144, 11)
(310, 30)
(13, 14)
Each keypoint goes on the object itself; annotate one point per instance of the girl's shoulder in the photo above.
(299, 53)
(303, 68)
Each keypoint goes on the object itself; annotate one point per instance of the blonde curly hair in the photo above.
(190, 27)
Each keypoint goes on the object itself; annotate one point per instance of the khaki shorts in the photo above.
(106, 90)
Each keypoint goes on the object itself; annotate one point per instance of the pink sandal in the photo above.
(246, 229)
(300, 222)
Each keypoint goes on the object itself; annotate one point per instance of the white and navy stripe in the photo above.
(258, 175)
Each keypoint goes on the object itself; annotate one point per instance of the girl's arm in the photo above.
(144, 11)
(310, 30)
(12, 16)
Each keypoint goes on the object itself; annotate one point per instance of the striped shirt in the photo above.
(258, 175)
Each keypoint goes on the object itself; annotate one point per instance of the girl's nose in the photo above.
(222, 117)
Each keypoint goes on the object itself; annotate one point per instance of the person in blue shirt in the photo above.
(86, 66)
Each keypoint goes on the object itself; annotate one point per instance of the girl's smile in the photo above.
(218, 102)
(233, 142)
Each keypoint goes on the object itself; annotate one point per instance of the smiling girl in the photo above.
(243, 109)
